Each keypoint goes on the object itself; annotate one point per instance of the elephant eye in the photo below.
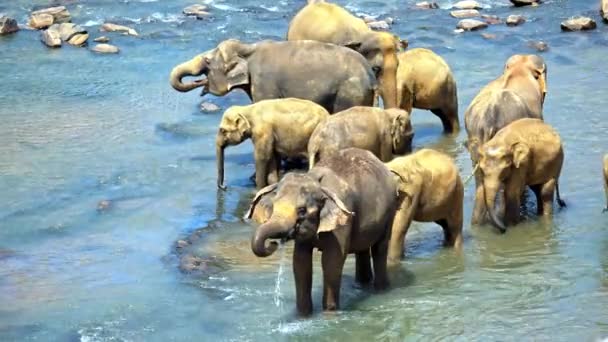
(302, 212)
(222, 130)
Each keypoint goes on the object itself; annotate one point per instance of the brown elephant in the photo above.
(525, 152)
(330, 23)
(425, 81)
(430, 190)
(344, 205)
(606, 180)
(384, 132)
(278, 128)
(332, 76)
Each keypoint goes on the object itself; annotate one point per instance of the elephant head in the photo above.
(225, 66)
(401, 130)
(497, 164)
(301, 209)
(533, 65)
(380, 49)
(234, 129)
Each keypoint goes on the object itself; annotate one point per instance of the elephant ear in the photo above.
(401, 127)
(238, 73)
(521, 152)
(242, 124)
(258, 196)
(335, 218)
(235, 54)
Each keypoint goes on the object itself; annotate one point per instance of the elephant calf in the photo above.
(345, 204)
(525, 152)
(382, 132)
(430, 190)
(278, 128)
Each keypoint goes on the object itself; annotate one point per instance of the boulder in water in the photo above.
(198, 11)
(51, 38)
(104, 205)
(8, 25)
(109, 27)
(467, 13)
(427, 5)
(471, 25)
(519, 3)
(491, 19)
(467, 4)
(539, 46)
(105, 48)
(578, 24)
(46, 17)
(41, 21)
(378, 25)
(102, 39)
(514, 20)
(71, 33)
(208, 107)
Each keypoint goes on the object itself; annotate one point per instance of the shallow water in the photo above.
(79, 128)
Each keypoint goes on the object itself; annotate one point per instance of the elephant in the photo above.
(525, 152)
(343, 205)
(430, 190)
(332, 76)
(384, 132)
(278, 128)
(330, 23)
(606, 180)
(425, 81)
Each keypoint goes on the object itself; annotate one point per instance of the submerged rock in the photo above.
(46, 17)
(8, 25)
(471, 25)
(578, 24)
(102, 39)
(467, 4)
(539, 46)
(378, 25)
(514, 20)
(491, 19)
(467, 13)
(198, 11)
(104, 205)
(488, 35)
(51, 38)
(427, 5)
(520, 3)
(208, 107)
(109, 27)
(105, 48)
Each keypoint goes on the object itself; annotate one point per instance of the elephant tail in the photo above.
(560, 201)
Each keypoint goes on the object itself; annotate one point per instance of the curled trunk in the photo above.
(273, 229)
(219, 152)
(490, 196)
(194, 67)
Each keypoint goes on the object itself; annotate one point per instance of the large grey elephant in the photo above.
(343, 205)
(332, 76)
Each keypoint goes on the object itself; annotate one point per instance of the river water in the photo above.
(79, 128)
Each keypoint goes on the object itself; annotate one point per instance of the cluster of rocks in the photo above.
(375, 24)
(45, 18)
(64, 32)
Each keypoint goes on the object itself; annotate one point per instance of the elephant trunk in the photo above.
(194, 67)
(220, 146)
(490, 197)
(388, 82)
(273, 229)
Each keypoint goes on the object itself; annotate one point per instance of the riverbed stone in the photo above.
(578, 24)
(539, 46)
(519, 3)
(471, 25)
(208, 107)
(488, 36)
(104, 205)
(491, 19)
(41, 21)
(51, 38)
(8, 25)
(378, 25)
(427, 5)
(467, 4)
(198, 11)
(604, 10)
(105, 48)
(515, 20)
(109, 27)
(44, 18)
(467, 13)
(102, 39)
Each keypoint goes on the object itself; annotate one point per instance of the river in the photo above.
(79, 128)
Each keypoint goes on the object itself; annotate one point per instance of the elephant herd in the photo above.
(315, 96)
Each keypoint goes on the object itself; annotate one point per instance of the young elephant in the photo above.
(525, 152)
(606, 180)
(430, 190)
(278, 128)
(344, 205)
(425, 81)
(384, 132)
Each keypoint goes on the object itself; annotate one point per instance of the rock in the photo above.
(467, 4)
(514, 20)
(104, 205)
(389, 20)
(8, 25)
(539, 46)
(198, 11)
(471, 25)
(604, 10)
(51, 38)
(467, 13)
(105, 48)
(109, 27)
(578, 24)
(180, 244)
(79, 39)
(67, 31)
(378, 25)
(208, 107)
(40, 19)
(427, 5)
(491, 19)
(520, 3)
(102, 39)
(488, 35)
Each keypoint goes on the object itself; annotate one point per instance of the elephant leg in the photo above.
(379, 255)
(302, 270)
(450, 125)
(363, 273)
(262, 155)
(512, 199)
(332, 261)
(273, 169)
(546, 194)
(536, 189)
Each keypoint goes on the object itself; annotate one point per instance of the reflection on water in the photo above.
(79, 128)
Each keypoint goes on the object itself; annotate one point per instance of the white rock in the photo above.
(468, 13)
(102, 39)
(379, 25)
(51, 38)
(109, 27)
(514, 20)
(105, 48)
(427, 5)
(471, 24)
(40, 19)
(467, 4)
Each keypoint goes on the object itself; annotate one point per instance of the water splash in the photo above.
(278, 295)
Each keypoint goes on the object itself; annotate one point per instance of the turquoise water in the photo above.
(79, 128)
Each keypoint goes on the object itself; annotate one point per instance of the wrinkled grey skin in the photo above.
(385, 133)
(344, 205)
(332, 76)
